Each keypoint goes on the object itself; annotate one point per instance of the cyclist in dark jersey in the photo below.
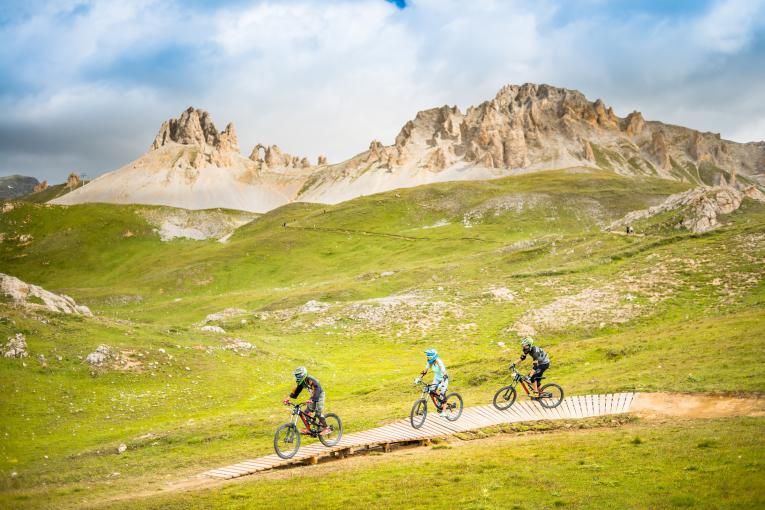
(541, 361)
(316, 403)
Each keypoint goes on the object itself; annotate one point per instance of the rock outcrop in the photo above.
(36, 298)
(273, 157)
(40, 187)
(196, 129)
(699, 208)
(16, 347)
(73, 181)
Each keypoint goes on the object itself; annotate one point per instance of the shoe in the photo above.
(325, 431)
(305, 432)
(442, 413)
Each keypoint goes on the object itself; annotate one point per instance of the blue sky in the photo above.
(84, 85)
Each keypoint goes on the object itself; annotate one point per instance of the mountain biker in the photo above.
(316, 403)
(440, 377)
(541, 361)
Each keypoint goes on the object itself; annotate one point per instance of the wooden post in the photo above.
(386, 447)
(312, 461)
(425, 442)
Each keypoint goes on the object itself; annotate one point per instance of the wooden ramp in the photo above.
(473, 418)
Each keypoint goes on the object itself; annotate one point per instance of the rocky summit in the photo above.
(523, 128)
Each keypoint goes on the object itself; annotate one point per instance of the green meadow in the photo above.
(355, 292)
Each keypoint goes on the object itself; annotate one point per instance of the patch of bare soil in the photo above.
(696, 406)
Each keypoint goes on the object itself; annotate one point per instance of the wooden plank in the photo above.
(491, 417)
(515, 414)
(494, 415)
(578, 405)
(570, 411)
(622, 401)
(523, 412)
(631, 397)
(586, 411)
(482, 418)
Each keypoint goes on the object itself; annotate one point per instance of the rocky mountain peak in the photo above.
(196, 127)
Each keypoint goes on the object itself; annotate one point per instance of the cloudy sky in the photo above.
(84, 85)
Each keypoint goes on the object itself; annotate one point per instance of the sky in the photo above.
(85, 85)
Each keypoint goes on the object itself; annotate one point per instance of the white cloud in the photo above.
(326, 77)
(729, 26)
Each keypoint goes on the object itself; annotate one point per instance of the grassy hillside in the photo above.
(459, 266)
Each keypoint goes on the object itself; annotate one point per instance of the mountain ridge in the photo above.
(524, 128)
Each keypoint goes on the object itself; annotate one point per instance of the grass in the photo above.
(185, 404)
(594, 469)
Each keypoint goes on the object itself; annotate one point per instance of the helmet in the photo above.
(432, 355)
(300, 373)
(527, 343)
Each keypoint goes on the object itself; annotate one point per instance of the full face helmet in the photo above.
(300, 374)
(432, 355)
(527, 343)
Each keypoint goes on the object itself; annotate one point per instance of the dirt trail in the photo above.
(696, 406)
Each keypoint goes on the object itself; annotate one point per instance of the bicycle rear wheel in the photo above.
(550, 395)
(287, 441)
(419, 413)
(504, 398)
(453, 406)
(336, 427)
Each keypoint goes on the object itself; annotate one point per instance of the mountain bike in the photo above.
(451, 405)
(287, 437)
(549, 396)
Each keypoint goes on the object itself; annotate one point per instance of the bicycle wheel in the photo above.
(504, 398)
(453, 406)
(419, 412)
(286, 441)
(551, 395)
(336, 426)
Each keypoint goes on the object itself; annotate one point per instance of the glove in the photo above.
(417, 380)
(286, 401)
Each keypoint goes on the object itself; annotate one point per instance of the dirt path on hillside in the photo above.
(678, 405)
(648, 406)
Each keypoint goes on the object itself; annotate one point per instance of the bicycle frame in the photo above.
(430, 389)
(310, 423)
(520, 378)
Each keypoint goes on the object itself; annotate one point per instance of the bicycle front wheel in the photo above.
(453, 406)
(419, 413)
(287, 441)
(504, 398)
(336, 430)
(550, 395)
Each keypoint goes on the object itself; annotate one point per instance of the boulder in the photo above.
(100, 356)
(16, 347)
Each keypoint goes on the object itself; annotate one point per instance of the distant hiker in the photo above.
(541, 361)
(316, 403)
(440, 377)
(630, 230)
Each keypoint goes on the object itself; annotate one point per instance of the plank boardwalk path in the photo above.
(473, 418)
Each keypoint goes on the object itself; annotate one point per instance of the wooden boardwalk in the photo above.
(473, 418)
